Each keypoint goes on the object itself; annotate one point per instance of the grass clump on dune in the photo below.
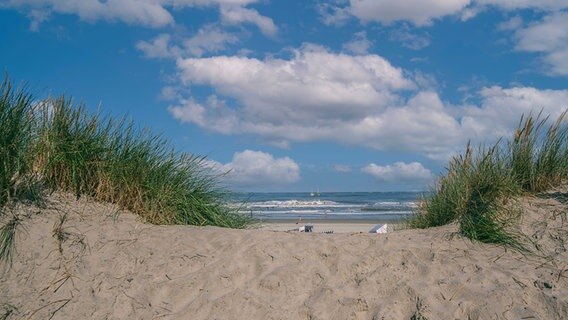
(15, 141)
(8, 238)
(477, 188)
(59, 145)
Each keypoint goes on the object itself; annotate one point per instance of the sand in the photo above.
(107, 264)
(337, 226)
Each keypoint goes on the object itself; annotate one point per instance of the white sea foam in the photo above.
(410, 204)
(299, 204)
(320, 207)
(325, 212)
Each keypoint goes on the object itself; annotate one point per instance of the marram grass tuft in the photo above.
(477, 188)
(59, 145)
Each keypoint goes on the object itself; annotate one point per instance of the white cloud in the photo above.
(205, 3)
(149, 13)
(317, 95)
(314, 82)
(424, 12)
(208, 39)
(356, 100)
(310, 93)
(419, 12)
(545, 35)
(399, 172)
(215, 115)
(341, 168)
(549, 37)
(410, 40)
(257, 168)
(332, 14)
(501, 109)
(169, 93)
(545, 5)
(239, 15)
(37, 17)
(470, 12)
(360, 44)
(159, 47)
(513, 23)
(144, 12)
(157, 13)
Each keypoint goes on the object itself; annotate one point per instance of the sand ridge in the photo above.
(104, 263)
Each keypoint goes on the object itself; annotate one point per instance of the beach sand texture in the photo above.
(110, 265)
(344, 226)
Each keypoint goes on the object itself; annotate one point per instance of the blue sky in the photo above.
(359, 95)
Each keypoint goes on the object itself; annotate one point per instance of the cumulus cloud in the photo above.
(363, 100)
(257, 168)
(208, 39)
(215, 115)
(331, 14)
(410, 40)
(157, 13)
(544, 5)
(37, 17)
(143, 12)
(425, 12)
(159, 47)
(502, 107)
(419, 12)
(238, 15)
(360, 44)
(313, 84)
(513, 23)
(399, 172)
(549, 37)
(149, 13)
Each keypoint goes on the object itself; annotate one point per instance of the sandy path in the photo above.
(119, 268)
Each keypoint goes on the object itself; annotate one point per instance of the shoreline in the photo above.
(333, 226)
(337, 219)
(331, 221)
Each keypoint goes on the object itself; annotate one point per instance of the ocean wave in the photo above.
(383, 209)
(300, 213)
(298, 204)
(324, 211)
(408, 204)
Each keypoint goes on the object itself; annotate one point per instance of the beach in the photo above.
(334, 226)
(87, 260)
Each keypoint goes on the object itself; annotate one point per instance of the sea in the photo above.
(308, 206)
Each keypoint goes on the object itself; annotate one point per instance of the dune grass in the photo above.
(15, 140)
(477, 189)
(8, 238)
(59, 145)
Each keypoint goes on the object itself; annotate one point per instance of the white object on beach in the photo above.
(380, 228)
(306, 228)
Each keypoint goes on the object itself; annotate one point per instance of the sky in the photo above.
(344, 95)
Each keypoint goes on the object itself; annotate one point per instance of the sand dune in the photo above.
(110, 265)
